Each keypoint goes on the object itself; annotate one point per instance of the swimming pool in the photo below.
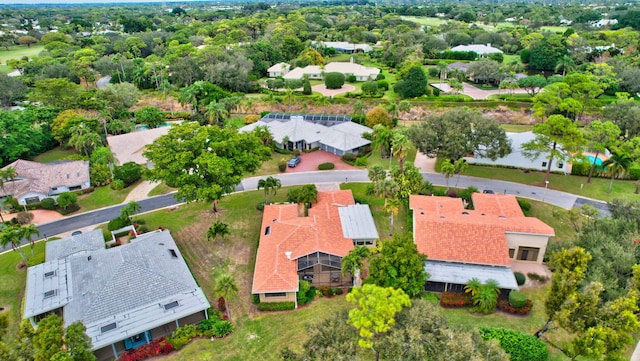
(144, 127)
(590, 158)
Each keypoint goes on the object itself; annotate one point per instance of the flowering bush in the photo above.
(153, 349)
(455, 299)
(503, 305)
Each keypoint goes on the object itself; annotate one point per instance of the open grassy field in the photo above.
(597, 189)
(516, 128)
(19, 51)
(426, 21)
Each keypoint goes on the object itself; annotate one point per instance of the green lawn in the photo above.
(54, 154)
(161, 188)
(12, 284)
(553, 216)
(516, 128)
(554, 29)
(374, 158)
(425, 20)
(18, 51)
(597, 189)
(5, 69)
(103, 197)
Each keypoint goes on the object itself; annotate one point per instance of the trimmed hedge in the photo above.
(524, 205)
(504, 306)
(520, 278)
(326, 166)
(519, 346)
(517, 299)
(455, 299)
(276, 306)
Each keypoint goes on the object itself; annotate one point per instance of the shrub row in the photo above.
(153, 349)
(537, 277)
(213, 327)
(306, 293)
(504, 306)
(520, 278)
(276, 306)
(326, 166)
(455, 299)
(519, 346)
(327, 291)
(517, 299)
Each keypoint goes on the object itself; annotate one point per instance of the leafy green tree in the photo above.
(304, 196)
(151, 116)
(413, 84)
(484, 71)
(333, 80)
(306, 86)
(532, 84)
(270, 186)
(66, 199)
(625, 113)
(29, 135)
(546, 52)
(217, 229)
(378, 115)
(57, 92)
(459, 132)
(558, 138)
(11, 89)
(566, 64)
(11, 235)
(374, 312)
(130, 210)
(48, 339)
(600, 135)
(226, 288)
(399, 265)
(84, 140)
(409, 181)
(484, 296)
(422, 333)
(78, 344)
(218, 158)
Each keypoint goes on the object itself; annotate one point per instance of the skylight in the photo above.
(173, 253)
(109, 327)
(49, 294)
(171, 305)
(49, 274)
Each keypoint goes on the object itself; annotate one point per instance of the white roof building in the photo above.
(480, 49)
(361, 72)
(336, 134)
(129, 147)
(344, 47)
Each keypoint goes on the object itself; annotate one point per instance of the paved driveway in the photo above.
(311, 160)
(331, 92)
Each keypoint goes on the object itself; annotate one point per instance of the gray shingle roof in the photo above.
(63, 248)
(127, 285)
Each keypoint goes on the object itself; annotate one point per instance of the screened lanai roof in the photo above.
(324, 119)
(461, 273)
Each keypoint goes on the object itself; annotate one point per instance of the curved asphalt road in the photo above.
(557, 198)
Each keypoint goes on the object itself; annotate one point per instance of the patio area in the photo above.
(310, 162)
(530, 267)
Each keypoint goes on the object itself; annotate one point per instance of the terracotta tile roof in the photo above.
(497, 204)
(34, 177)
(284, 237)
(445, 231)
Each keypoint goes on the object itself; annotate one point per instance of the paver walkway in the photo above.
(141, 191)
(424, 163)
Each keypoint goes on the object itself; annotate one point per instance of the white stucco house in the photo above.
(343, 46)
(279, 69)
(36, 181)
(480, 49)
(361, 72)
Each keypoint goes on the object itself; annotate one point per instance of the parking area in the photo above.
(311, 160)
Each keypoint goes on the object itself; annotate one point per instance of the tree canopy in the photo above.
(458, 133)
(204, 162)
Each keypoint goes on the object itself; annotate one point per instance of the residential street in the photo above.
(560, 199)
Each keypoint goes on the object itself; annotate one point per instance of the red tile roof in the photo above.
(444, 230)
(290, 237)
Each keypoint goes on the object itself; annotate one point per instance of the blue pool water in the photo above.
(591, 158)
(144, 127)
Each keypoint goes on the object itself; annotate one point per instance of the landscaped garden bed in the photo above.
(455, 300)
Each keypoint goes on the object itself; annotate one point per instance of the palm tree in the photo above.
(216, 112)
(442, 70)
(358, 108)
(566, 64)
(353, 263)
(392, 205)
(472, 286)
(377, 173)
(12, 235)
(486, 299)
(270, 185)
(27, 231)
(460, 166)
(617, 164)
(381, 138)
(400, 145)
(393, 109)
(9, 174)
(447, 169)
(404, 107)
(226, 288)
(289, 98)
(130, 209)
(217, 229)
